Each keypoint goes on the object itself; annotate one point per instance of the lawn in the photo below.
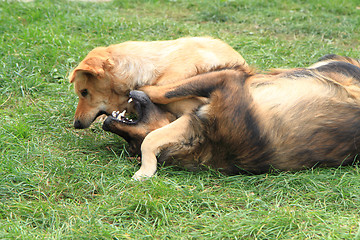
(60, 183)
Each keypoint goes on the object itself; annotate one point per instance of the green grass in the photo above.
(60, 183)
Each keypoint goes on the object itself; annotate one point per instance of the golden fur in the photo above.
(105, 77)
(287, 119)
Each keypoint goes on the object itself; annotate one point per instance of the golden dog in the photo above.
(286, 120)
(105, 77)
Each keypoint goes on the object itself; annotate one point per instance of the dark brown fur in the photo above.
(287, 120)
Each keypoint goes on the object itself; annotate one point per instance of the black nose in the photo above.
(106, 124)
(78, 125)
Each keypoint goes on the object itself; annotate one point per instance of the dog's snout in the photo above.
(78, 124)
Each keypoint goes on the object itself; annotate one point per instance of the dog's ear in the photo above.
(95, 66)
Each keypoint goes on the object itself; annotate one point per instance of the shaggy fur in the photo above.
(287, 120)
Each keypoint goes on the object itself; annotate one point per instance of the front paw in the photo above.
(142, 175)
(150, 91)
(146, 88)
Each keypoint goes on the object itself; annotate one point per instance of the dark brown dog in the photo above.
(287, 120)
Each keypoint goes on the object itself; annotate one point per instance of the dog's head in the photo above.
(99, 89)
(149, 117)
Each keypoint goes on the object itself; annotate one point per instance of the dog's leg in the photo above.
(155, 141)
(199, 86)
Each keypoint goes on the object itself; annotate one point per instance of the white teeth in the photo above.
(130, 100)
(118, 115)
(121, 116)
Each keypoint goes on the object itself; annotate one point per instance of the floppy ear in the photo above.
(94, 66)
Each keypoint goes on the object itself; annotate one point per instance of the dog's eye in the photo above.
(84, 92)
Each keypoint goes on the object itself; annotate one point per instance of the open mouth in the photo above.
(99, 114)
(129, 118)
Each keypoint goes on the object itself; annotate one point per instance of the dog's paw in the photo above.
(151, 92)
(142, 175)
